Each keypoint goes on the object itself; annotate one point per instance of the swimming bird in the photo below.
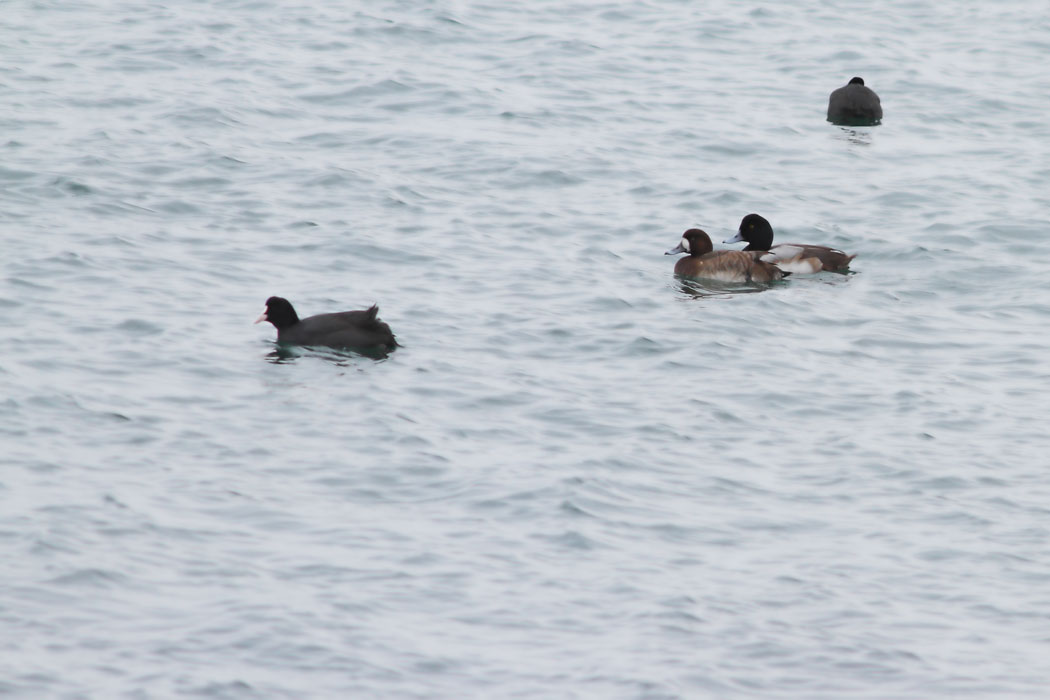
(359, 330)
(854, 104)
(792, 257)
(723, 265)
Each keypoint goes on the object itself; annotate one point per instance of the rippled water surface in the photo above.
(580, 477)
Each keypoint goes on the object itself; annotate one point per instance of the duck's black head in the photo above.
(279, 312)
(756, 231)
(695, 242)
(856, 81)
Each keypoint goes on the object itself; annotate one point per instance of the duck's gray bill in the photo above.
(676, 250)
(735, 239)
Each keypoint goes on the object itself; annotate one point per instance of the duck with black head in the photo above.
(854, 104)
(703, 262)
(354, 330)
(793, 257)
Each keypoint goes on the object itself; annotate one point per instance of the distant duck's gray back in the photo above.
(854, 104)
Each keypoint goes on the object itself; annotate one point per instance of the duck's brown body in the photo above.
(728, 266)
(722, 265)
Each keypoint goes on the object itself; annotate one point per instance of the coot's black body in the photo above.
(356, 330)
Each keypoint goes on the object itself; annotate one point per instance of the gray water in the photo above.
(580, 477)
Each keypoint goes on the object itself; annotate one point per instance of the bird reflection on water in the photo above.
(709, 289)
(861, 137)
(289, 354)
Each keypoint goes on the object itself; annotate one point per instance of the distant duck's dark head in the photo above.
(279, 312)
(756, 231)
(695, 242)
(856, 81)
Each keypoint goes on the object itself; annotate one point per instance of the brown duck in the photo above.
(722, 265)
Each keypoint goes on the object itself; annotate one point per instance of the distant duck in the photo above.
(791, 257)
(854, 104)
(357, 330)
(704, 262)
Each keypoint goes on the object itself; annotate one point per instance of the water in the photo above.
(580, 477)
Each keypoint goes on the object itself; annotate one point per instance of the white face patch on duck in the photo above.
(685, 245)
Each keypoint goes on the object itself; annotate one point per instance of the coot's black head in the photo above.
(695, 242)
(856, 81)
(279, 312)
(756, 231)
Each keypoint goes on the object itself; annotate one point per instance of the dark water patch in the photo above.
(91, 578)
(729, 149)
(379, 89)
(12, 175)
(112, 102)
(200, 117)
(525, 178)
(71, 186)
(200, 183)
(139, 327)
(340, 180)
(10, 303)
(157, 169)
(643, 346)
(177, 207)
(570, 540)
